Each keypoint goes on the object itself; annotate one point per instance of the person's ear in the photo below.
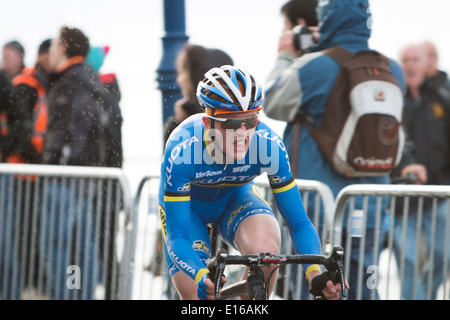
(207, 122)
(301, 22)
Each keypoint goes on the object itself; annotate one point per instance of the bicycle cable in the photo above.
(269, 278)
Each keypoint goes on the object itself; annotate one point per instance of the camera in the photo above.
(303, 38)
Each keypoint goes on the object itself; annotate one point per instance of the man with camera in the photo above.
(300, 24)
(299, 86)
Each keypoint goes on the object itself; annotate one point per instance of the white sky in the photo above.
(247, 29)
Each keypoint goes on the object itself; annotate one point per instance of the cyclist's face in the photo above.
(233, 143)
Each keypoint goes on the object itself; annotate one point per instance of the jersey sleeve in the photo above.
(177, 176)
(290, 204)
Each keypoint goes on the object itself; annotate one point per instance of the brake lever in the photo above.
(336, 264)
(220, 270)
(216, 268)
(340, 271)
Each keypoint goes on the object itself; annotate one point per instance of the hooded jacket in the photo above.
(304, 85)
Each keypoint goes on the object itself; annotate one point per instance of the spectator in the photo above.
(192, 63)
(303, 85)
(43, 61)
(95, 60)
(7, 254)
(13, 57)
(10, 119)
(427, 122)
(13, 135)
(26, 125)
(29, 92)
(436, 78)
(73, 138)
(111, 116)
(7, 221)
(5, 109)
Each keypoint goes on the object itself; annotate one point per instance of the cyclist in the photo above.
(207, 173)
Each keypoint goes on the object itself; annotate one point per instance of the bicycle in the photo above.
(255, 285)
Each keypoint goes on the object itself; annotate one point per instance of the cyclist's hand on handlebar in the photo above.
(325, 285)
(205, 289)
(332, 291)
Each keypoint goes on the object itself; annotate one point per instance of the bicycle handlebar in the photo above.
(333, 263)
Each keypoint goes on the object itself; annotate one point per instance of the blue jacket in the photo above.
(305, 84)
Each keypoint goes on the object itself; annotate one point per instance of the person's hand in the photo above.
(324, 285)
(316, 34)
(418, 170)
(332, 291)
(205, 289)
(286, 43)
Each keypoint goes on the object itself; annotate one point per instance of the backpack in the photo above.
(361, 133)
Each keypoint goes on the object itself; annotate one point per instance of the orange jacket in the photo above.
(40, 110)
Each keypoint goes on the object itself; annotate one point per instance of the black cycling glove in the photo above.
(319, 282)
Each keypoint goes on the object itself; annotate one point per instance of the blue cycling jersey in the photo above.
(192, 177)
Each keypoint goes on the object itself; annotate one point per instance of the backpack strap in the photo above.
(338, 54)
(295, 143)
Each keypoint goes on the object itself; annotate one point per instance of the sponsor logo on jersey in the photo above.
(235, 212)
(209, 173)
(181, 264)
(200, 245)
(186, 187)
(227, 179)
(276, 179)
(241, 169)
(174, 157)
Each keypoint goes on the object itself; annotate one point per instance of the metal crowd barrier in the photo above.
(77, 233)
(150, 270)
(151, 280)
(63, 232)
(405, 251)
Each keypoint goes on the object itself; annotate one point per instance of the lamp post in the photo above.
(173, 41)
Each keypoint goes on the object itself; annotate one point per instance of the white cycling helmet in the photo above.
(229, 89)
